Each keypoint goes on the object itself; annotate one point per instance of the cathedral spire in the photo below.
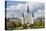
(28, 9)
(32, 14)
(22, 14)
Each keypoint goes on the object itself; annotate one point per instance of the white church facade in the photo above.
(27, 20)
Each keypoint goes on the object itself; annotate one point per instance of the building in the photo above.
(28, 20)
(14, 20)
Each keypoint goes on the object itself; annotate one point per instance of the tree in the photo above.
(25, 26)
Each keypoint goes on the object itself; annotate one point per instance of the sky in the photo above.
(28, 0)
(15, 8)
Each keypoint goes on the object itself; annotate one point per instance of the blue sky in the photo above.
(9, 3)
(17, 7)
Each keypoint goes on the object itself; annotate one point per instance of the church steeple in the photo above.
(32, 14)
(22, 14)
(28, 9)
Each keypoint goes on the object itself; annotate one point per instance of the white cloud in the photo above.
(16, 10)
(38, 7)
(16, 0)
(29, 0)
(39, 13)
(21, 7)
(37, 1)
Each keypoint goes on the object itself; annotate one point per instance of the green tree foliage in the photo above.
(31, 25)
(25, 26)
